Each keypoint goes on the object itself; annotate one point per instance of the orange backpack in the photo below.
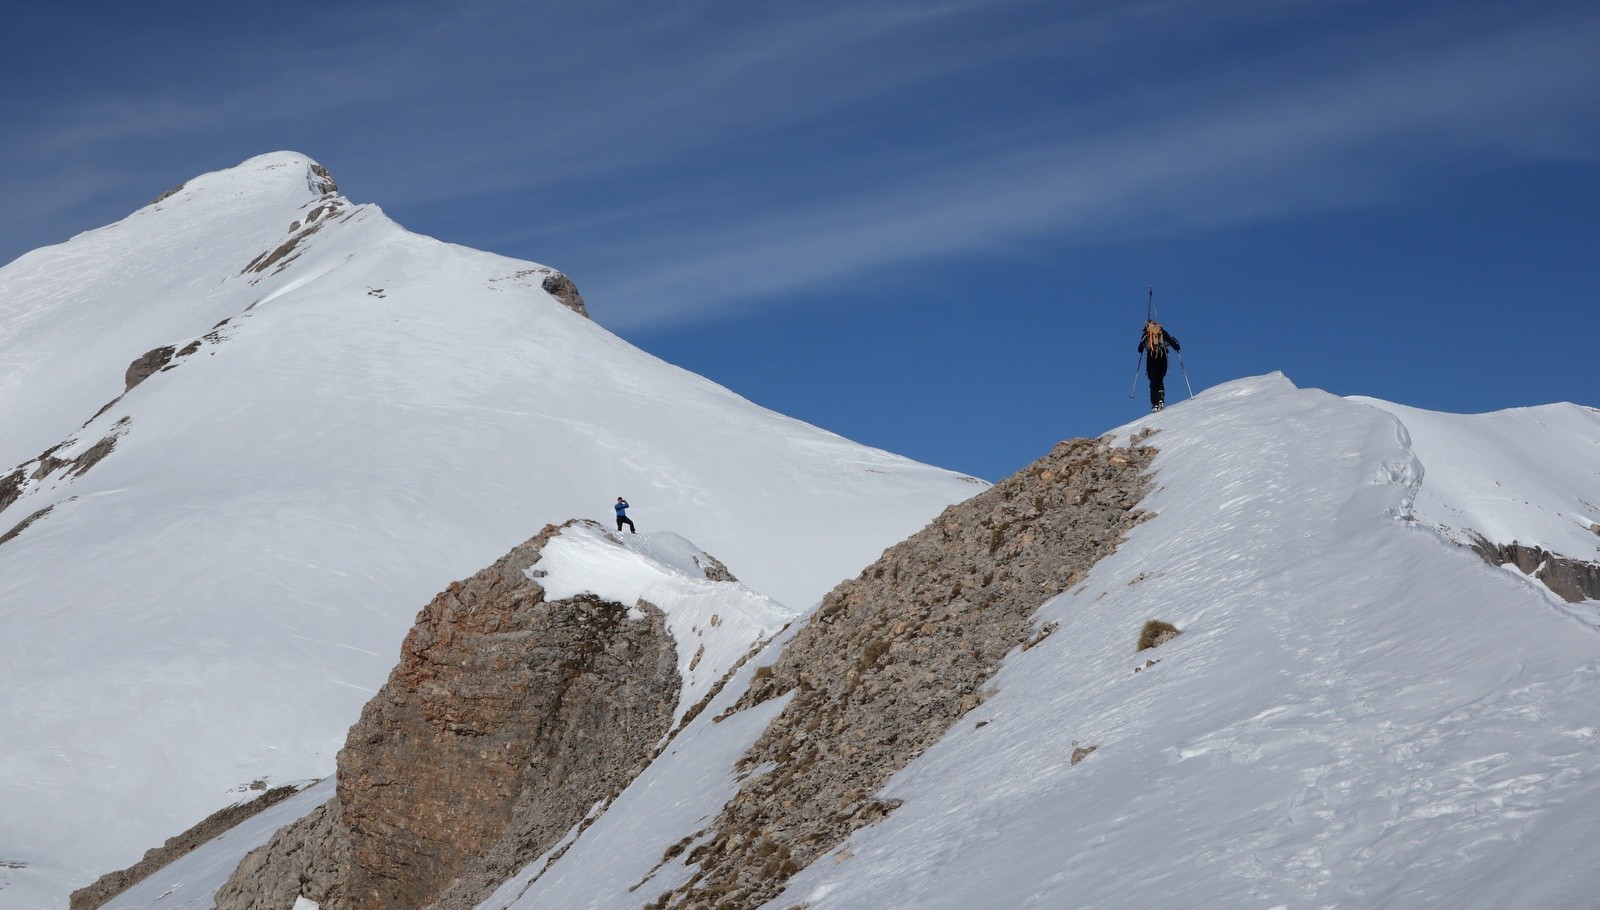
(1153, 343)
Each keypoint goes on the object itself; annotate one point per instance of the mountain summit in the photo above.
(253, 427)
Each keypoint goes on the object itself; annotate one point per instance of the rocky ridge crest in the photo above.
(890, 660)
(507, 718)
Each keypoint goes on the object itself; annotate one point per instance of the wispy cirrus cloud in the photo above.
(764, 150)
(1204, 156)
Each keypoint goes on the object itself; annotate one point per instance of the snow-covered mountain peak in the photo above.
(74, 316)
(276, 176)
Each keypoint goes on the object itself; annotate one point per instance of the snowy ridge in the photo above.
(1530, 475)
(1358, 712)
(714, 623)
(1354, 715)
(74, 315)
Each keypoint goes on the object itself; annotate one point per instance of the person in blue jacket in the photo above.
(622, 515)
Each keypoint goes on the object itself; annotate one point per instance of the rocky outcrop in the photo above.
(1155, 633)
(114, 883)
(561, 288)
(147, 365)
(168, 194)
(158, 360)
(11, 486)
(1571, 580)
(507, 719)
(320, 180)
(28, 476)
(318, 217)
(890, 660)
(22, 525)
(310, 858)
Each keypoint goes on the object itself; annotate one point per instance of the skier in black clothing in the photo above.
(622, 516)
(1153, 344)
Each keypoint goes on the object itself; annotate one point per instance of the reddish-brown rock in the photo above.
(506, 719)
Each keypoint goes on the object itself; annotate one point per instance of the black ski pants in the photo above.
(625, 520)
(1156, 369)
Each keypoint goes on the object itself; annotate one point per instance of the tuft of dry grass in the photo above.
(1156, 633)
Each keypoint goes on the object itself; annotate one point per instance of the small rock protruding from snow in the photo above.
(318, 178)
(561, 288)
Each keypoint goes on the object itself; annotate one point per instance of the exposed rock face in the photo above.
(21, 526)
(319, 216)
(1572, 580)
(320, 180)
(169, 193)
(507, 718)
(561, 288)
(16, 483)
(551, 282)
(11, 487)
(891, 660)
(310, 857)
(1155, 633)
(147, 365)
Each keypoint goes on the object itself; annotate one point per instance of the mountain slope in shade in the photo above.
(317, 420)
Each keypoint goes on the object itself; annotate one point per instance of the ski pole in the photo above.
(1185, 374)
(1136, 364)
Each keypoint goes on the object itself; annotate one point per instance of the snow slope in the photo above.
(1359, 712)
(1526, 475)
(381, 414)
(189, 881)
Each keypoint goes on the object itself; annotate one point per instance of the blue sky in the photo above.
(928, 226)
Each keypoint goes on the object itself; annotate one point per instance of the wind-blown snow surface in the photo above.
(383, 413)
(1358, 713)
